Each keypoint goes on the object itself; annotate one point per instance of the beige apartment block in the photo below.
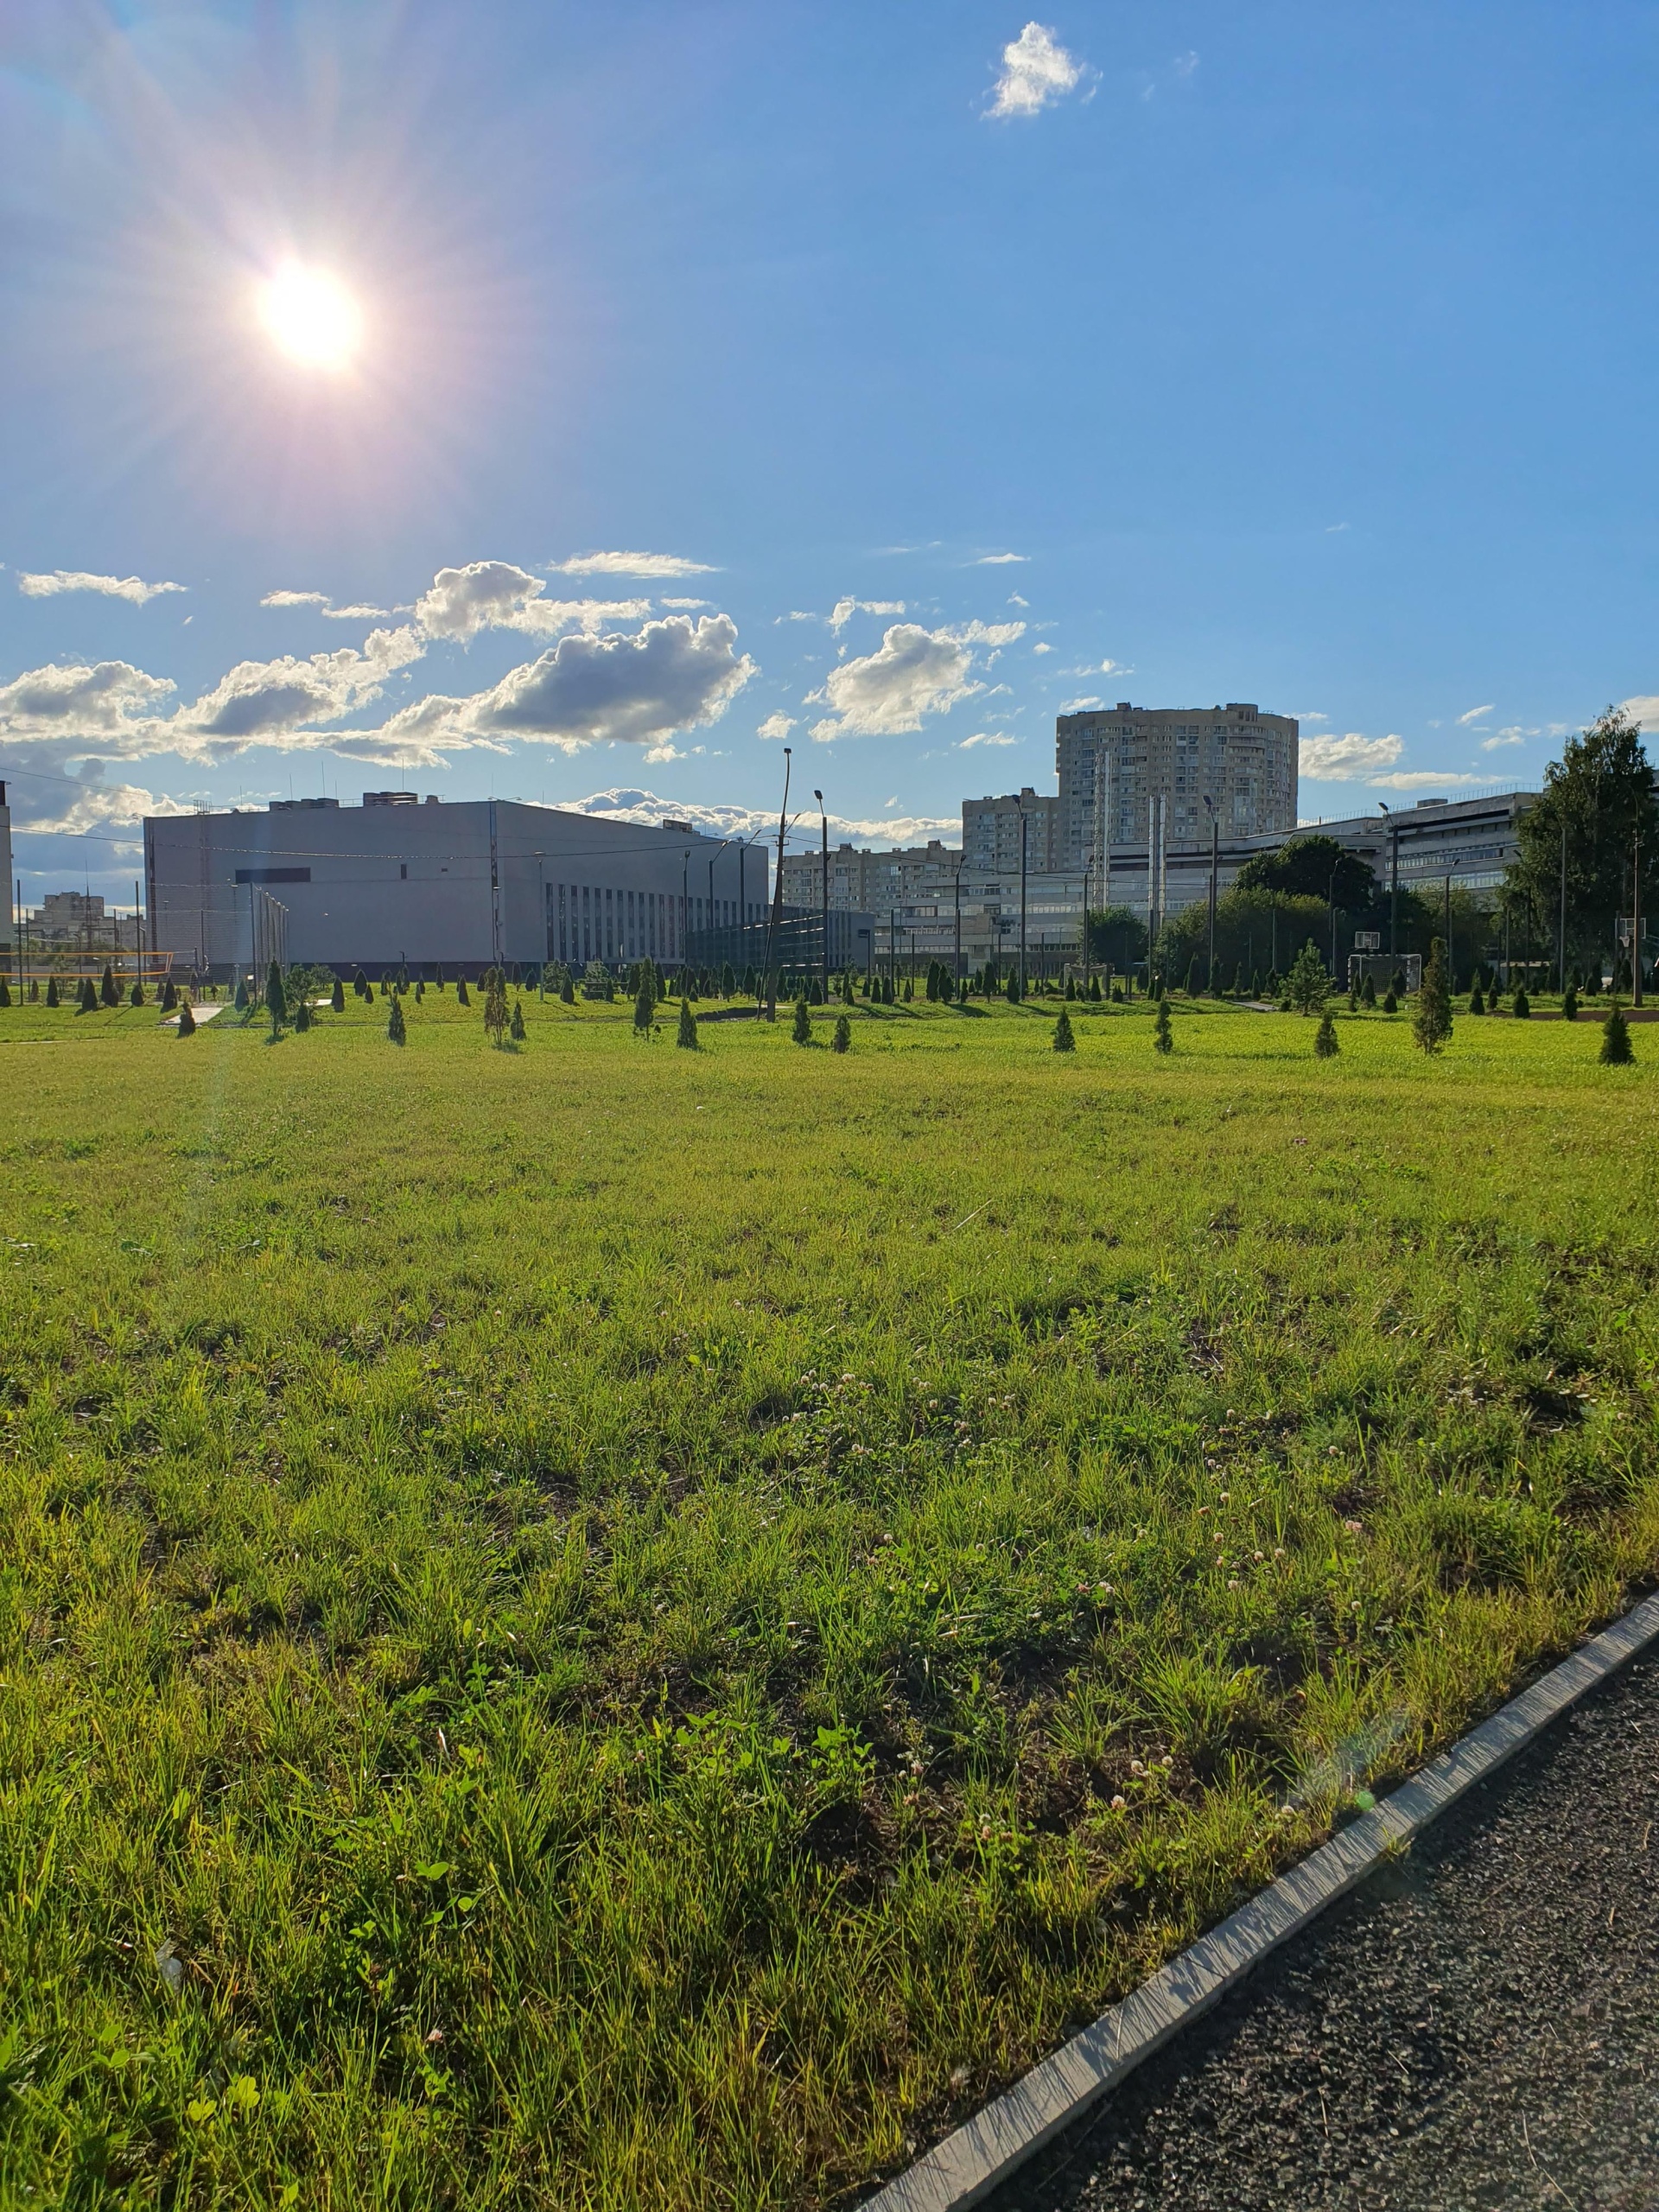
(867, 882)
(991, 833)
(1242, 760)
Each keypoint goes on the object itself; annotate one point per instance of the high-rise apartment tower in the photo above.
(1242, 760)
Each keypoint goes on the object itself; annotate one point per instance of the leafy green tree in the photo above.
(842, 1039)
(276, 999)
(1600, 792)
(1570, 1004)
(1117, 934)
(1064, 1040)
(395, 1029)
(1163, 1037)
(1307, 985)
(1430, 1020)
(1303, 868)
(1616, 1051)
(802, 1033)
(1325, 1046)
(187, 1020)
(686, 1038)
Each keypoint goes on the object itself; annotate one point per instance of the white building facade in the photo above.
(398, 882)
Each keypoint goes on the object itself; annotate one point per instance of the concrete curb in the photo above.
(970, 2162)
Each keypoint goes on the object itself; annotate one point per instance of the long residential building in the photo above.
(1241, 762)
(868, 882)
(397, 882)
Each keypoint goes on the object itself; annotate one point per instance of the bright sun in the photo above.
(312, 316)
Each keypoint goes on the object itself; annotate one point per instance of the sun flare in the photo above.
(312, 317)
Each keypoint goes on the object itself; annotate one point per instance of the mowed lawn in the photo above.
(604, 1627)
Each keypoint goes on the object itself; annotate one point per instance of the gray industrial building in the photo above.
(400, 881)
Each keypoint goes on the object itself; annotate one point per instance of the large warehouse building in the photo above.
(401, 881)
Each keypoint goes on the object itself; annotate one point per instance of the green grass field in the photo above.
(604, 1626)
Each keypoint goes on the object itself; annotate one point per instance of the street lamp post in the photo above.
(1023, 820)
(823, 892)
(778, 897)
(1215, 872)
(958, 878)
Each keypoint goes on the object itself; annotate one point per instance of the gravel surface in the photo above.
(1478, 2025)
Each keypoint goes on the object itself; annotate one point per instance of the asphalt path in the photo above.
(1478, 2025)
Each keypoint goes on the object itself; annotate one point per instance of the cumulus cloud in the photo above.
(258, 699)
(776, 726)
(105, 705)
(1643, 710)
(294, 598)
(60, 580)
(673, 675)
(914, 672)
(1036, 71)
(1352, 758)
(497, 595)
(630, 564)
(102, 806)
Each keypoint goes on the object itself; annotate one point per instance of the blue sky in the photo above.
(900, 375)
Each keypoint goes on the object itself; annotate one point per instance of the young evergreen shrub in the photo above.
(727, 981)
(887, 990)
(566, 990)
(1368, 991)
(109, 991)
(1431, 1018)
(1325, 1046)
(5, 991)
(395, 1029)
(1117, 993)
(1398, 985)
(1477, 1003)
(1163, 1037)
(187, 1020)
(645, 1007)
(302, 1013)
(275, 998)
(688, 1037)
(1616, 1051)
(1071, 988)
(420, 988)
(842, 1039)
(52, 998)
(136, 996)
(170, 996)
(437, 976)
(802, 1031)
(1523, 1008)
(1012, 992)
(1390, 1001)
(493, 984)
(910, 990)
(1307, 986)
(240, 1001)
(516, 1032)
(337, 997)
(34, 990)
(461, 996)
(88, 996)
(1353, 1000)
(1064, 1040)
(1570, 1004)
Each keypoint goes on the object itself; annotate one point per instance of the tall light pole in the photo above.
(1215, 872)
(1331, 901)
(1560, 934)
(685, 909)
(957, 876)
(778, 897)
(1023, 825)
(823, 895)
(1394, 876)
(1636, 918)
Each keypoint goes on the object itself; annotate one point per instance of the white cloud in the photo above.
(776, 726)
(1418, 779)
(1036, 70)
(999, 560)
(1308, 715)
(61, 580)
(98, 806)
(1080, 706)
(687, 604)
(674, 675)
(985, 737)
(106, 706)
(1474, 714)
(1099, 668)
(1014, 600)
(1643, 710)
(294, 598)
(914, 672)
(1513, 735)
(259, 700)
(1185, 64)
(1040, 647)
(1347, 759)
(630, 564)
(498, 596)
(844, 609)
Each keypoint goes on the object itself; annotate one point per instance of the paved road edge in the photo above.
(984, 2152)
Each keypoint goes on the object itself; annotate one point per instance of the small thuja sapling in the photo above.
(1476, 1000)
(187, 1020)
(395, 1029)
(1163, 1039)
(1616, 1051)
(1522, 1006)
(1431, 1018)
(1325, 1046)
(686, 1038)
(88, 996)
(136, 996)
(495, 1004)
(1390, 1001)
(1367, 993)
(516, 1030)
(109, 991)
(842, 1039)
(337, 997)
(802, 1033)
(301, 1014)
(170, 996)
(1064, 1040)
(276, 999)
(461, 998)
(52, 990)
(1570, 1004)
(644, 1006)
